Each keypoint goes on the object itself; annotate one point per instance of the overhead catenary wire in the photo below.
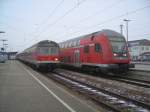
(60, 18)
(65, 14)
(101, 11)
(53, 12)
(49, 16)
(143, 34)
(113, 18)
(96, 13)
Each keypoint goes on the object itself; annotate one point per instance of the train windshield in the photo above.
(118, 44)
(53, 50)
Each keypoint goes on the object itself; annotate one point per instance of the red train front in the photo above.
(44, 54)
(104, 51)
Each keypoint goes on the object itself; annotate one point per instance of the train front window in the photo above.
(48, 50)
(118, 45)
(54, 50)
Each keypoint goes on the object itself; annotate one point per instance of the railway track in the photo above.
(137, 82)
(125, 79)
(144, 71)
(113, 102)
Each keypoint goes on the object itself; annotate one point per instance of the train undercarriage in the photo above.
(108, 68)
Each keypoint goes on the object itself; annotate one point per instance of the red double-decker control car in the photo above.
(104, 51)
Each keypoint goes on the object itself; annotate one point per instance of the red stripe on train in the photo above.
(47, 58)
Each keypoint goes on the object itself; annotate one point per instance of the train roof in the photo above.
(46, 42)
(41, 43)
(107, 32)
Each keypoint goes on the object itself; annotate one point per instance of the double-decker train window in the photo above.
(97, 47)
(86, 49)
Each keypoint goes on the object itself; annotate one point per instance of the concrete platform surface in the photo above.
(143, 67)
(25, 90)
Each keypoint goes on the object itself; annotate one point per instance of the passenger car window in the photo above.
(97, 47)
(86, 49)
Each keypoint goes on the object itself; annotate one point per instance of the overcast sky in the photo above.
(26, 22)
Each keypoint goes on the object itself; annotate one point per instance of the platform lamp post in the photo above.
(2, 32)
(3, 40)
(127, 20)
(121, 29)
(5, 46)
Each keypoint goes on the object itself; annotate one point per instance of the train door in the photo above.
(77, 57)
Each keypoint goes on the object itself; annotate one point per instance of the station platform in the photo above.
(25, 90)
(142, 67)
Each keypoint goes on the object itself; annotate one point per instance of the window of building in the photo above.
(86, 49)
(147, 48)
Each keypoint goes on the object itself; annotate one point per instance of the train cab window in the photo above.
(54, 50)
(86, 49)
(97, 47)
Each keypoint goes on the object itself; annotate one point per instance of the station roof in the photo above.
(145, 54)
(8, 53)
(142, 42)
(12, 53)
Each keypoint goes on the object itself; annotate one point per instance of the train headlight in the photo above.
(115, 54)
(56, 59)
(125, 55)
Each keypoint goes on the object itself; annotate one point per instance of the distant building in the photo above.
(139, 50)
(9, 55)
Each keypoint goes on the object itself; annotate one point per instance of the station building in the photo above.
(139, 50)
(9, 55)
